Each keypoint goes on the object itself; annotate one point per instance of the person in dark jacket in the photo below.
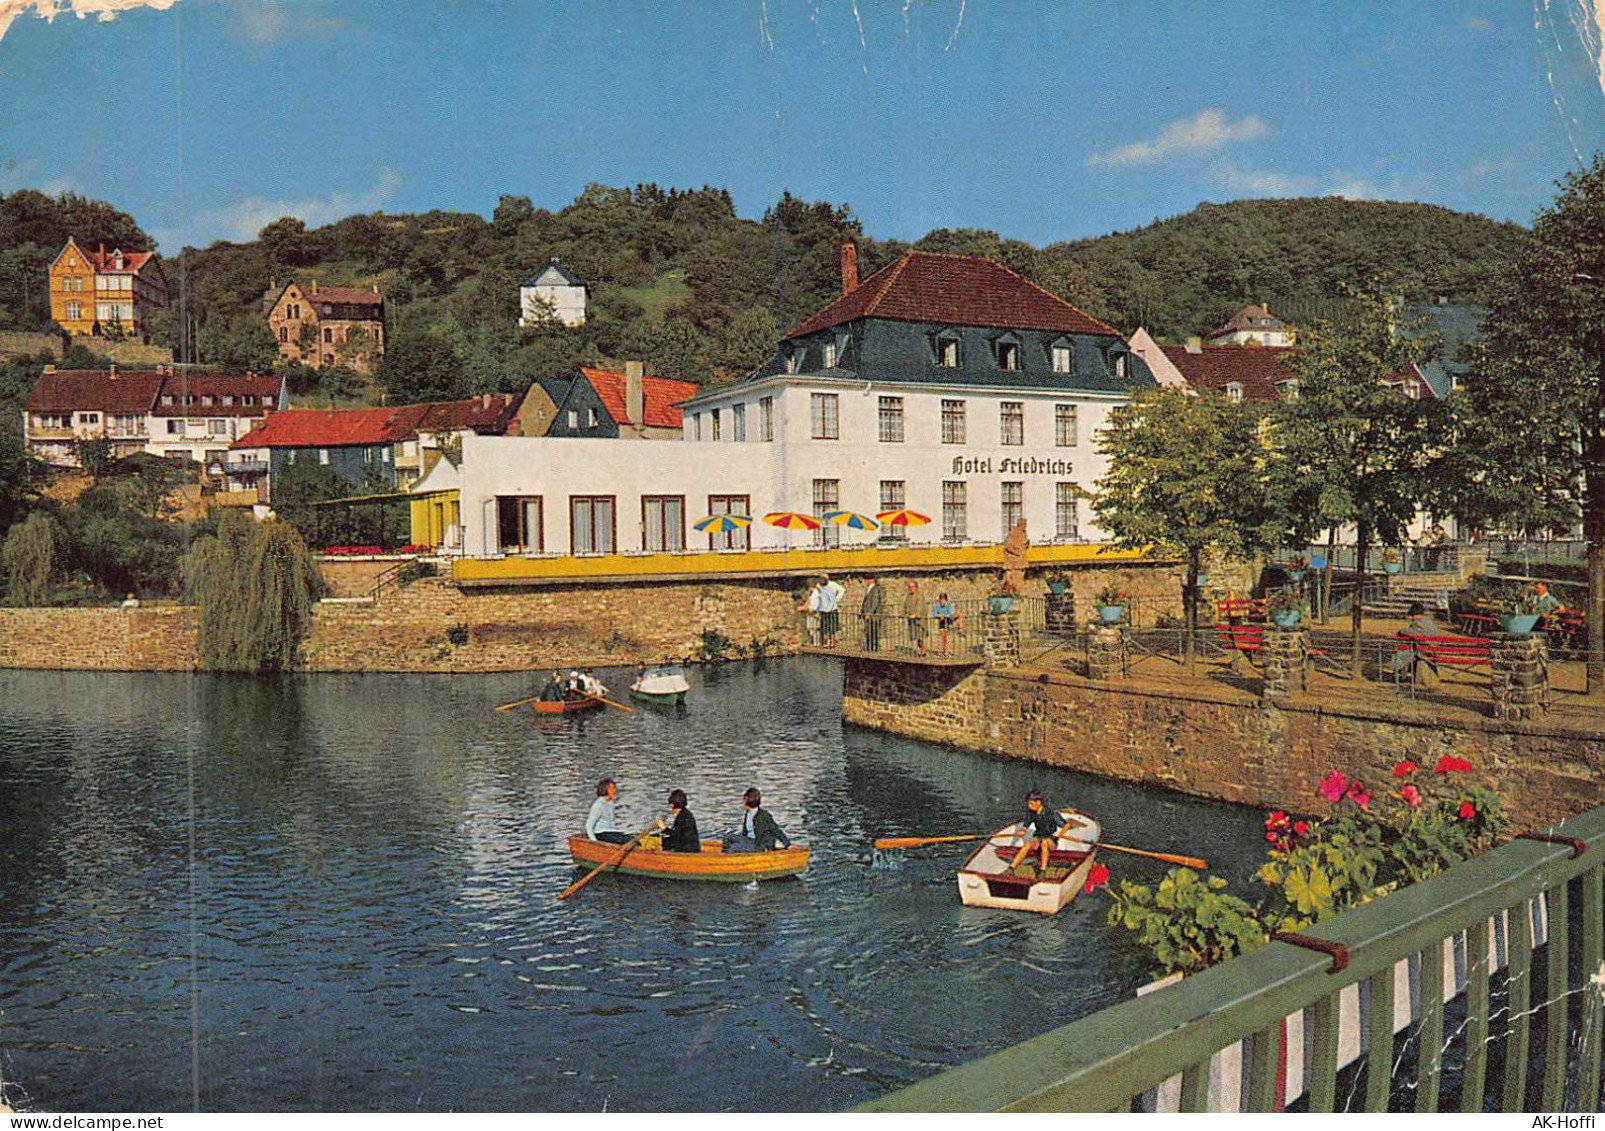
(1040, 827)
(682, 835)
(759, 831)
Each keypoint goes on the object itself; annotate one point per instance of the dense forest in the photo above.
(679, 280)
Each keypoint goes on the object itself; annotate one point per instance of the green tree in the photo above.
(1533, 406)
(253, 585)
(32, 558)
(1188, 475)
(1357, 450)
(420, 365)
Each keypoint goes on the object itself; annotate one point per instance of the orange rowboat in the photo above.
(712, 863)
(566, 706)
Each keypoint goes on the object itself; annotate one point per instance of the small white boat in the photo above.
(661, 685)
(986, 880)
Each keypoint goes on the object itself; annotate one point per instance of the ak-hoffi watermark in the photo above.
(1564, 1122)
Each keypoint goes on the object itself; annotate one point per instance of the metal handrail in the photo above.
(1104, 1062)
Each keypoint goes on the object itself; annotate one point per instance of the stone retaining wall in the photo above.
(1219, 744)
(151, 639)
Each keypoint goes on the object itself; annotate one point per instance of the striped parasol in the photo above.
(903, 518)
(721, 523)
(792, 520)
(851, 519)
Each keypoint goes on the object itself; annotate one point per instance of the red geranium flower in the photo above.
(1404, 769)
(1300, 828)
(1411, 795)
(1277, 818)
(1332, 788)
(1357, 793)
(1451, 765)
(1272, 837)
(1097, 876)
(1467, 811)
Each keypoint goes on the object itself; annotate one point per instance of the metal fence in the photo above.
(1473, 989)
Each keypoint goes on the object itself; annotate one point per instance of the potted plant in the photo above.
(1287, 608)
(1296, 567)
(1519, 615)
(1111, 604)
(1391, 561)
(1001, 599)
(1057, 582)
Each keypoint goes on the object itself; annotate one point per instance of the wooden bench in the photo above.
(1441, 651)
(1235, 609)
(1241, 639)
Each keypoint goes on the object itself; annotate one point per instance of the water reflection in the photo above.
(374, 865)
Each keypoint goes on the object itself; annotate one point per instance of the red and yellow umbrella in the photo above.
(903, 518)
(791, 520)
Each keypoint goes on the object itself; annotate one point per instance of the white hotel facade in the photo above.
(945, 385)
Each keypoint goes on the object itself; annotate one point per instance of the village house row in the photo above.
(946, 385)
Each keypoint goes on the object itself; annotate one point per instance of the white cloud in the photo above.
(1259, 182)
(1206, 132)
(266, 22)
(102, 10)
(1355, 188)
(243, 219)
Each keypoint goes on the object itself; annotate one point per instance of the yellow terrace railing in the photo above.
(794, 562)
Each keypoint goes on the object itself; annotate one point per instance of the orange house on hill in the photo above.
(93, 291)
(328, 326)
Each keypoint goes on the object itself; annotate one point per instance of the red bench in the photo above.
(1241, 639)
(1233, 609)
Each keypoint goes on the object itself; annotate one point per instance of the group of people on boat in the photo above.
(578, 685)
(757, 831)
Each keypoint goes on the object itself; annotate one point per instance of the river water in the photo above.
(337, 893)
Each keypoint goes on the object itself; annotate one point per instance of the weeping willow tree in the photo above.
(253, 584)
(31, 559)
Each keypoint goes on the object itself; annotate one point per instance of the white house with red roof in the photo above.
(1254, 325)
(605, 404)
(168, 411)
(948, 385)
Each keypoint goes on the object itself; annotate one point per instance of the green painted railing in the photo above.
(1107, 1061)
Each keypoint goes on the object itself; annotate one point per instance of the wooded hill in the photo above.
(682, 282)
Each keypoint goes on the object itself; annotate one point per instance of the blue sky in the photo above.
(1042, 121)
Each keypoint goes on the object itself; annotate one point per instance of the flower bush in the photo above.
(1112, 595)
(1371, 843)
(1391, 556)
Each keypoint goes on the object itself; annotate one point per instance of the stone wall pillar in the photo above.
(1105, 652)
(1520, 679)
(1286, 660)
(1059, 613)
(1000, 637)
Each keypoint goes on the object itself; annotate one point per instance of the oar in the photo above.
(1184, 861)
(599, 869)
(520, 703)
(609, 702)
(916, 841)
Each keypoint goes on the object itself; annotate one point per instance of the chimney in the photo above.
(849, 268)
(635, 393)
(50, 369)
(113, 374)
(314, 286)
(484, 400)
(1195, 345)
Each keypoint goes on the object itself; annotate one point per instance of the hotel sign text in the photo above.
(963, 465)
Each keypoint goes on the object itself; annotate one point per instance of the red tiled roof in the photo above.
(1251, 317)
(95, 390)
(263, 391)
(956, 290)
(357, 295)
(483, 414)
(106, 261)
(662, 397)
(1256, 368)
(1412, 375)
(313, 428)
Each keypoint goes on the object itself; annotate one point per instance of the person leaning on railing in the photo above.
(914, 612)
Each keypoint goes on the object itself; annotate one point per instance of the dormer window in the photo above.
(1120, 367)
(1009, 356)
(1234, 391)
(948, 354)
(793, 359)
(1060, 356)
(830, 355)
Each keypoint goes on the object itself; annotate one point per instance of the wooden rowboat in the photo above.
(712, 863)
(986, 880)
(568, 705)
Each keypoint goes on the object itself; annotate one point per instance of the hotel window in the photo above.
(952, 422)
(167, 398)
(1011, 423)
(1120, 366)
(228, 400)
(1064, 511)
(891, 420)
(662, 523)
(249, 399)
(738, 423)
(730, 504)
(827, 498)
(1013, 506)
(793, 360)
(1061, 359)
(216, 427)
(696, 426)
(206, 399)
(947, 351)
(520, 524)
(717, 430)
(591, 524)
(89, 418)
(766, 419)
(894, 497)
(1064, 425)
(823, 412)
(175, 427)
(1009, 356)
(1234, 391)
(955, 521)
(830, 355)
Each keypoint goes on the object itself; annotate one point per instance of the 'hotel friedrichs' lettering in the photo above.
(969, 465)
